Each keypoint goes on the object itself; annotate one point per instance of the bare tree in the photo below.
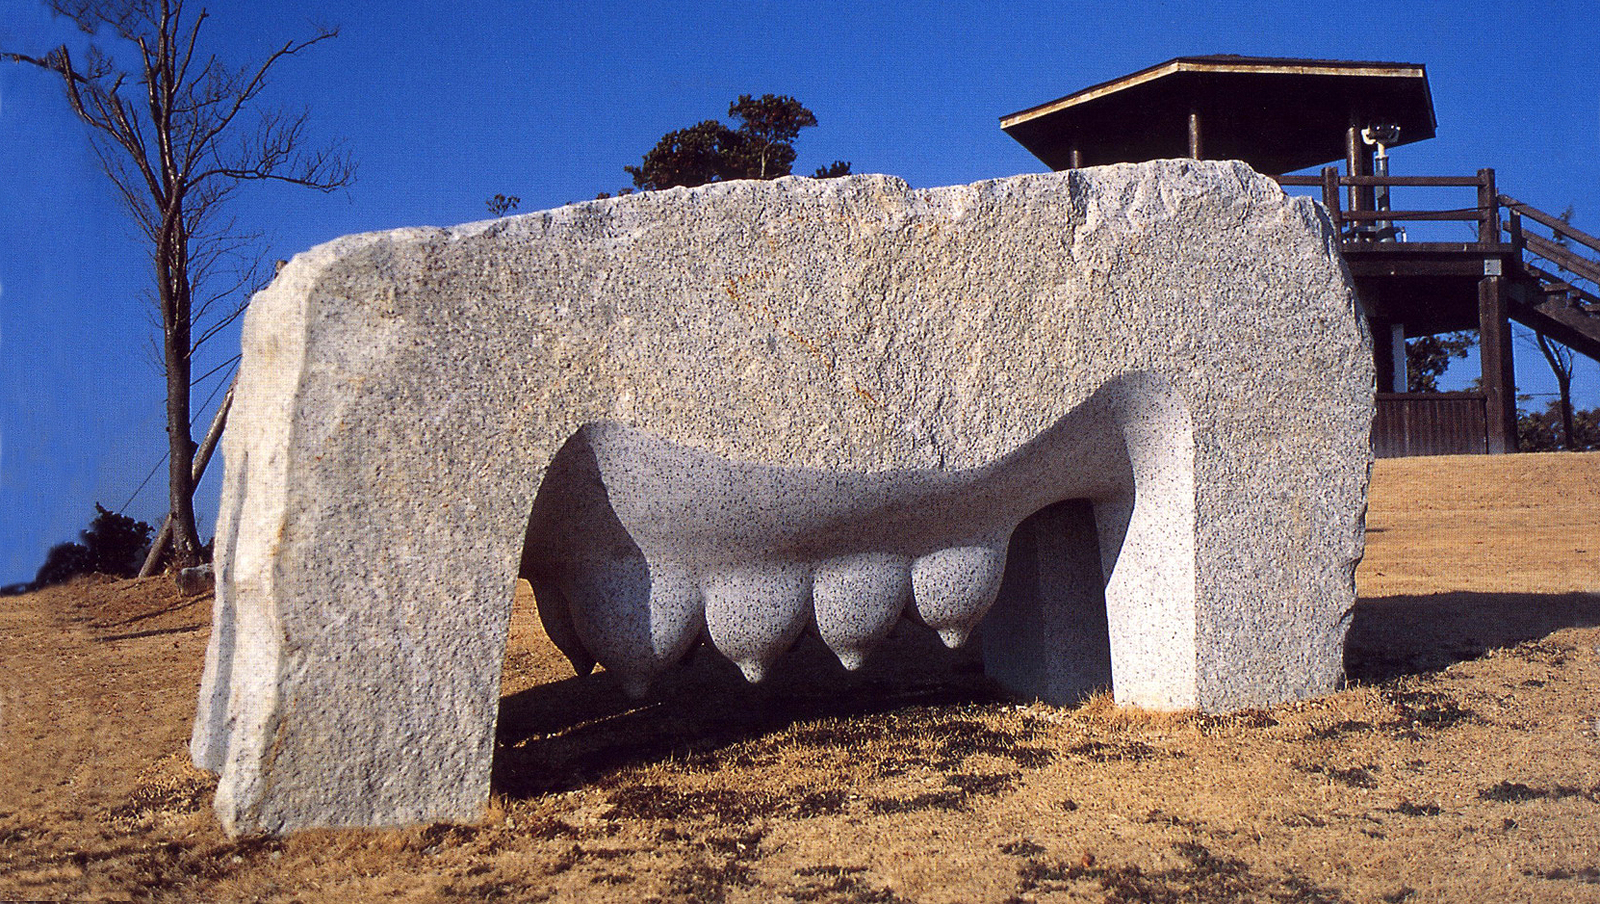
(178, 131)
(1559, 357)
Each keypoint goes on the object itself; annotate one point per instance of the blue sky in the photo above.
(444, 105)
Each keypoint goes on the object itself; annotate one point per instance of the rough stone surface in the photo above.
(780, 402)
(195, 581)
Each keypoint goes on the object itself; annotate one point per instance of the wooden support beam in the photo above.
(1494, 352)
(1358, 162)
(1442, 265)
(1196, 142)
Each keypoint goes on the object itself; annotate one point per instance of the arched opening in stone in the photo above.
(1081, 538)
(1047, 635)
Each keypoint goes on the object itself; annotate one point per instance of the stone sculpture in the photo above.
(636, 546)
(1118, 415)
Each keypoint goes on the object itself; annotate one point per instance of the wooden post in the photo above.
(1075, 157)
(1494, 352)
(1196, 144)
(1330, 196)
(1488, 207)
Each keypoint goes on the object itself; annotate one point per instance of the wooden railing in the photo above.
(1360, 220)
(1556, 260)
(1556, 250)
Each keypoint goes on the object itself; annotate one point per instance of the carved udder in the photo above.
(636, 545)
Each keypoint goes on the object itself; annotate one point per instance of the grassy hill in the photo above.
(1461, 764)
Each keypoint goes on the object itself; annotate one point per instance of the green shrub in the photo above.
(114, 544)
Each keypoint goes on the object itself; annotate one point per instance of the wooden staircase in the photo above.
(1564, 299)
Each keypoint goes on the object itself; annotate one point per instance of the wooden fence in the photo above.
(1430, 423)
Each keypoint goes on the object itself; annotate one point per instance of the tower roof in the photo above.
(1278, 115)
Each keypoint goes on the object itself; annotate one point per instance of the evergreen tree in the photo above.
(760, 146)
(114, 544)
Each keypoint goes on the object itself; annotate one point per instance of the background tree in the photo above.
(705, 152)
(178, 130)
(114, 544)
(62, 563)
(1545, 431)
(500, 205)
(768, 126)
(1559, 357)
(761, 146)
(833, 170)
(1428, 357)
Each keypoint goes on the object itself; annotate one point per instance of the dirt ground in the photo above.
(1461, 764)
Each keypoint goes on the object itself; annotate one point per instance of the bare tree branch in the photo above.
(176, 154)
(258, 81)
(1559, 357)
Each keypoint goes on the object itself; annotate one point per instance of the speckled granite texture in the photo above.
(780, 402)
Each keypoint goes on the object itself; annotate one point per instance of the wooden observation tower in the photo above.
(1283, 115)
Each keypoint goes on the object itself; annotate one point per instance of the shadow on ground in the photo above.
(1392, 636)
(577, 731)
(573, 732)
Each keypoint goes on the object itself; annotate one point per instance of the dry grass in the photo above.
(1461, 765)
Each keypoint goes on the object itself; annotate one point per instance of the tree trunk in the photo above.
(173, 273)
(1560, 361)
(158, 546)
(1568, 441)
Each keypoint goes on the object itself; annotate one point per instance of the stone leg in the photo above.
(1047, 634)
(1142, 530)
